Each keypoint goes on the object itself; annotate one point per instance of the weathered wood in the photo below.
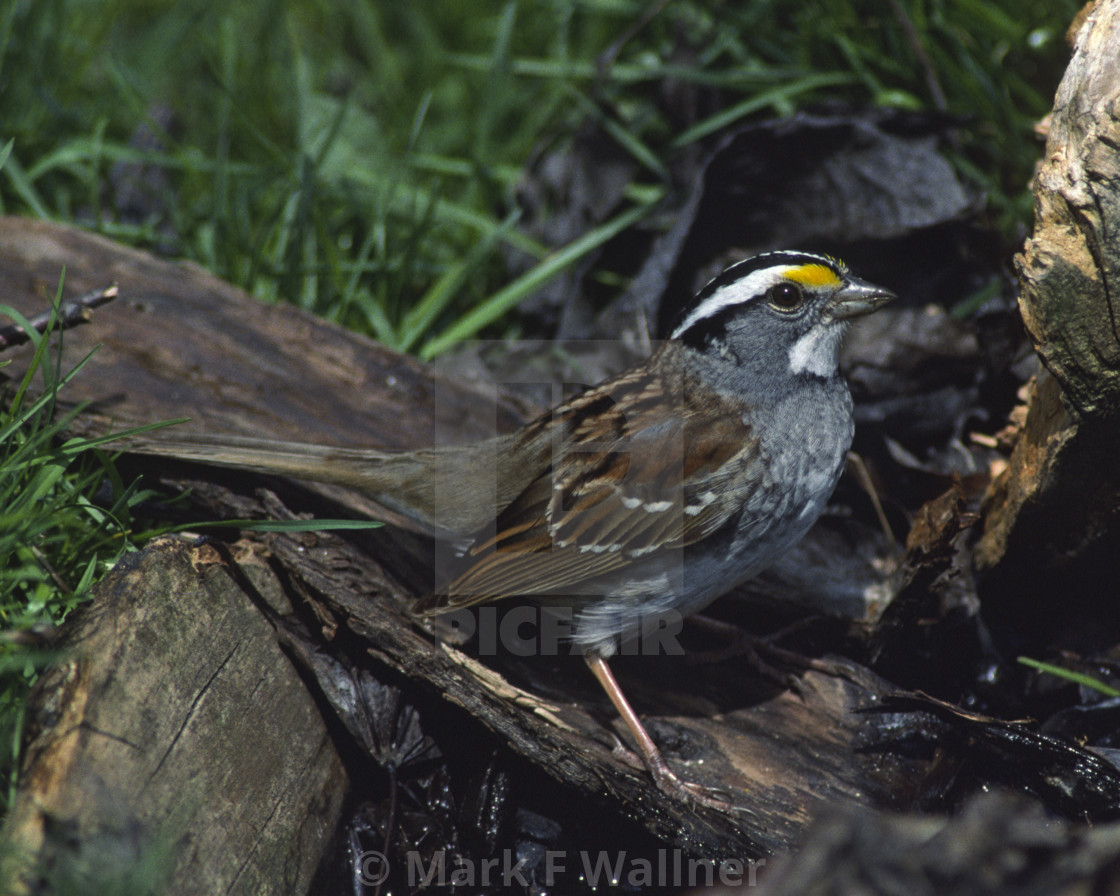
(1057, 498)
(175, 731)
(776, 753)
(180, 342)
(1070, 266)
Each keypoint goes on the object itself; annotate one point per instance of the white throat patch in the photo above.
(818, 351)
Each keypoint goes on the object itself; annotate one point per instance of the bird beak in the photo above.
(857, 298)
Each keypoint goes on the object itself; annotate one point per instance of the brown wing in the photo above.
(636, 470)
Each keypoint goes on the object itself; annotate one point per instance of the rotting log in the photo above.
(1056, 503)
(174, 734)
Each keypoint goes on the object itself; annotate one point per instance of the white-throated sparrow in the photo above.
(655, 491)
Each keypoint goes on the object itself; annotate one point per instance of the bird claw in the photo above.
(688, 791)
(623, 753)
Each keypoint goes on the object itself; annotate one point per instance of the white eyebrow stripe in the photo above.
(737, 293)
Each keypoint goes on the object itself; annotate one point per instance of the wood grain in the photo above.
(175, 730)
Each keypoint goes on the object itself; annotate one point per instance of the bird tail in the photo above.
(401, 481)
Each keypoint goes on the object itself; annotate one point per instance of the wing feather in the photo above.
(642, 472)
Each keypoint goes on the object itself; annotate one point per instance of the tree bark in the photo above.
(1057, 500)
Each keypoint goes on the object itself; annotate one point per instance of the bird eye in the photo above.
(784, 296)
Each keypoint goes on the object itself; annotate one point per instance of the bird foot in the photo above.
(688, 791)
(649, 756)
(667, 780)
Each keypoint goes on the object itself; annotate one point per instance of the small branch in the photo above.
(71, 313)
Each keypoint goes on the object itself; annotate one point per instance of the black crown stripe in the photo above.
(713, 326)
(758, 263)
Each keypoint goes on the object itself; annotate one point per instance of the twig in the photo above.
(864, 476)
(70, 313)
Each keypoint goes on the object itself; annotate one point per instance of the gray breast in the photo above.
(803, 461)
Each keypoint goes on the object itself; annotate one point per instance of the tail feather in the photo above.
(431, 486)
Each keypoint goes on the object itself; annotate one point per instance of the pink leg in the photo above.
(663, 776)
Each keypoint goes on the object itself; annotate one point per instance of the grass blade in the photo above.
(505, 299)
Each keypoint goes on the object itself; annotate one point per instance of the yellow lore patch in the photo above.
(813, 275)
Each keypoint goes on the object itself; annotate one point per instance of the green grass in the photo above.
(65, 519)
(361, 159)
(1077, 678)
